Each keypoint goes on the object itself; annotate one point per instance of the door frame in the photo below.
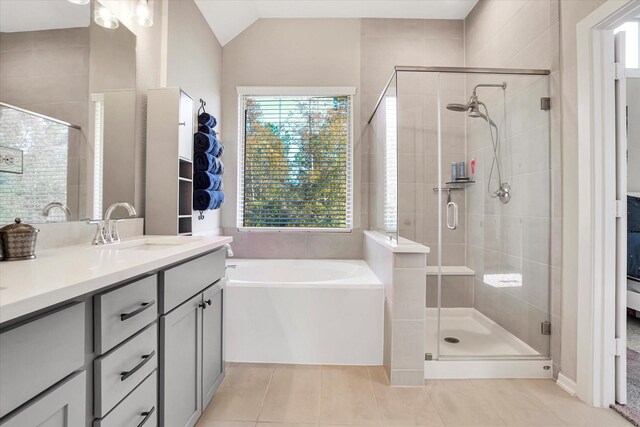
(595, 382)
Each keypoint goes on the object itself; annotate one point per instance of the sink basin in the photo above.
(151, 243)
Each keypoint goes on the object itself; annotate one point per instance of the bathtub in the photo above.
(303, 312)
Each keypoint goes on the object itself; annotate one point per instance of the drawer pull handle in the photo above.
(208, 301)
(137, 311)
(126, 374)
(203, 306)
(146, 416)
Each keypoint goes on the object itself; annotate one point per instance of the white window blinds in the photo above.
(295, 162)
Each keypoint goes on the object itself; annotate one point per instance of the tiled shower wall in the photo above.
(527, 235)
(385, 44)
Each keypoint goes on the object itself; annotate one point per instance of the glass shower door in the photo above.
(487, 221)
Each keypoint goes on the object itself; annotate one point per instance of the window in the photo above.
(295, 160)
(631, 43)
(98, 155)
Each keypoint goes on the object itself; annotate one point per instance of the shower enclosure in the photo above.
(460, 161)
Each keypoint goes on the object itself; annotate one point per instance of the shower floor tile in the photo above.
(477, 335)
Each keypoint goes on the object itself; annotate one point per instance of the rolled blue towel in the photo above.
(219, 167)
(203, 162)
(219, 199)
(207, 181)
(207, 119)
(217, 149)
(205, 129)
(202, 200)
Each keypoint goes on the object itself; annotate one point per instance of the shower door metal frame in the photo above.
(456, 70)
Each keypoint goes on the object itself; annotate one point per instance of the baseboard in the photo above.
(566, 384)
(477, 369)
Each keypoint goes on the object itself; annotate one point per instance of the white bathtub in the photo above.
(303, 312)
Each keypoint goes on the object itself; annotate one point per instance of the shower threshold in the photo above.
(474, 346)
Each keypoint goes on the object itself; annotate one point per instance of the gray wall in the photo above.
(291, 52)
(194, 63)
(633, 101)
(327, 52)
(178, 50)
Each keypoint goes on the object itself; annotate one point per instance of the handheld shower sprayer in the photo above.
(473, 108)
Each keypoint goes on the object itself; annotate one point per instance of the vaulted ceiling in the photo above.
(228, 18)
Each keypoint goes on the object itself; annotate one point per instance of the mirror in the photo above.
(67, 112)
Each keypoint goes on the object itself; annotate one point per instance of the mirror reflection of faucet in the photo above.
(47, 209)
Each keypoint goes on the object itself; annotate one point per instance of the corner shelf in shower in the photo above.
(450, 270)
(460, 182)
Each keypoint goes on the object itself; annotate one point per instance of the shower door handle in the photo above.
(452, 215)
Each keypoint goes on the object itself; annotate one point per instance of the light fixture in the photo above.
(79, 1)
(104, 17)
(144, 13)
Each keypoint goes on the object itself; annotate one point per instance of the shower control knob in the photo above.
(505, 193)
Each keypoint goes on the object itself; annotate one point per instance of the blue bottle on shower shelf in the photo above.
(462, 170)
(454, 171)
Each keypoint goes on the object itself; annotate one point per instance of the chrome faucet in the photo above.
(110, 227)
(229, 250)
(61, 206)
(100, 238)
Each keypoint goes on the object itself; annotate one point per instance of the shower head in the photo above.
(459, 108)
(475, 112)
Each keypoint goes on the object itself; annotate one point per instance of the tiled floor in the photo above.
(259, 395)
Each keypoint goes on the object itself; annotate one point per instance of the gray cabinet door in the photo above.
(212, 363)
(64, 406)
(181, 365)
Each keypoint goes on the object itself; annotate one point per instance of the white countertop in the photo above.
(62, 274)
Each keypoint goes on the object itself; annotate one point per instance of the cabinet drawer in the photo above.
(38, 354)
(138, 409)
(180, 283)
(123, 312)
(62, 406)
(121, 370)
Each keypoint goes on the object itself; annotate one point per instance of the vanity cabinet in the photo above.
(212, 343)
(146, 352)
(191, 362)
(181, 365)
(63, 406)
(25, 369)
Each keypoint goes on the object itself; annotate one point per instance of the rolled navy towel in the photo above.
(202, 200)
(202, 162)
(207, 119)
(207, 181)
(221, 150)
(203, 142)
(205, 129)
